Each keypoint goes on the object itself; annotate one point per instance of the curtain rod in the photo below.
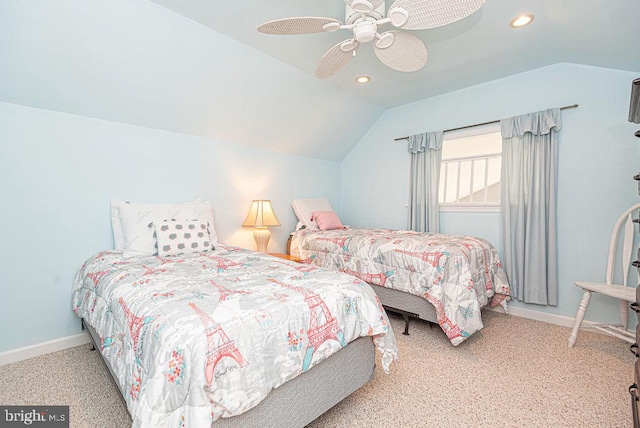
(480, 124)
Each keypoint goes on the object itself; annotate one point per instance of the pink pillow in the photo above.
(327, 220)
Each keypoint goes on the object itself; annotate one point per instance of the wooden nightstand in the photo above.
(287, 257)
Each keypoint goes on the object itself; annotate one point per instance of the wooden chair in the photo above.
(626, 295)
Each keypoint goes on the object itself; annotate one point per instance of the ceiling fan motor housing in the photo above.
(365, 31)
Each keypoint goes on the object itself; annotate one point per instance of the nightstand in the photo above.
(287, 257)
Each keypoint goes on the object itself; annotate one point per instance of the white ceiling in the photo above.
(480, 48)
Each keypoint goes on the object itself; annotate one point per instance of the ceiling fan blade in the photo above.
(406, 53)
(301, 25)
(335, 59)
(425, 14)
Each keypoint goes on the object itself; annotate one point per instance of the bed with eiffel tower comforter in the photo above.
(457, 274)
(194, 338)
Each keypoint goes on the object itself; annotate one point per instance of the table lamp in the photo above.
(261, 217)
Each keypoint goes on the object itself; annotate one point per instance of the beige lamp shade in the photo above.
(261, 215)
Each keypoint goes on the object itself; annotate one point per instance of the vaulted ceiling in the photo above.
(200, 67)
(477, 49)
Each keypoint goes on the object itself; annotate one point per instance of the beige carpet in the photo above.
(514, 373)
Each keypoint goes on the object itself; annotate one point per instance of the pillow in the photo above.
(137, 237)
(304, 209)
(116, 223)
(176, 237)
(327, 220)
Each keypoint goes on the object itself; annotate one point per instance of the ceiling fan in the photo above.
(398, 50)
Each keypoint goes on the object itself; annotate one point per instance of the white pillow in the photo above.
(304, 209)
(137, 237)
(116, 223)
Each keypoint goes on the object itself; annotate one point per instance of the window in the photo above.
(470, 170)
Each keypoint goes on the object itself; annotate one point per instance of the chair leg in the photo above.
(624, 313)
(582, 309)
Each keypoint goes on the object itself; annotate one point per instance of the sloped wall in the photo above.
(139, 63)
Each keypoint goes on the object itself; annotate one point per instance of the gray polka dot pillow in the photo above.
(176, 237)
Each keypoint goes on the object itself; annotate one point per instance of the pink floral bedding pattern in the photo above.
(457, 274)
(203, 336)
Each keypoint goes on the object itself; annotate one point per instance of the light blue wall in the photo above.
(598, 157)
(58, 172)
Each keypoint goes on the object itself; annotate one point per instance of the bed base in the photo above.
(406, 316)
(407, 305)
(298, 402)
(95, 339)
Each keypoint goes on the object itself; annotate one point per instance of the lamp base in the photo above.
(262, 236)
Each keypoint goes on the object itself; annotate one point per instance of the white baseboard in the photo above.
(542, 316)
(56, 345)
(43, 348)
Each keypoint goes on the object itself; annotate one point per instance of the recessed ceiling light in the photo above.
(363, 79)
(521, 20)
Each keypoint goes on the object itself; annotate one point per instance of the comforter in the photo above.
(194, 338)
(457, 274)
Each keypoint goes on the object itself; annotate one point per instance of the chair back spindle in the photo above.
(626, 221)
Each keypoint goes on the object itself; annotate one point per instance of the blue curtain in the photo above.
(529, 193)
(426, 154)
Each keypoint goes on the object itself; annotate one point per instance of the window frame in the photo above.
(470, 207)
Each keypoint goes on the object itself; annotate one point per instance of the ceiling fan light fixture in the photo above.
(348, 45)
(375, 3)
(521, 20)
(330, 27)
(363, 79)
(363, 6)
(398, 16)
(385, 40)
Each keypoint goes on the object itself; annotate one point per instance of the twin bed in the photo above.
(225, 336)
(198, 333)
(443, 279)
